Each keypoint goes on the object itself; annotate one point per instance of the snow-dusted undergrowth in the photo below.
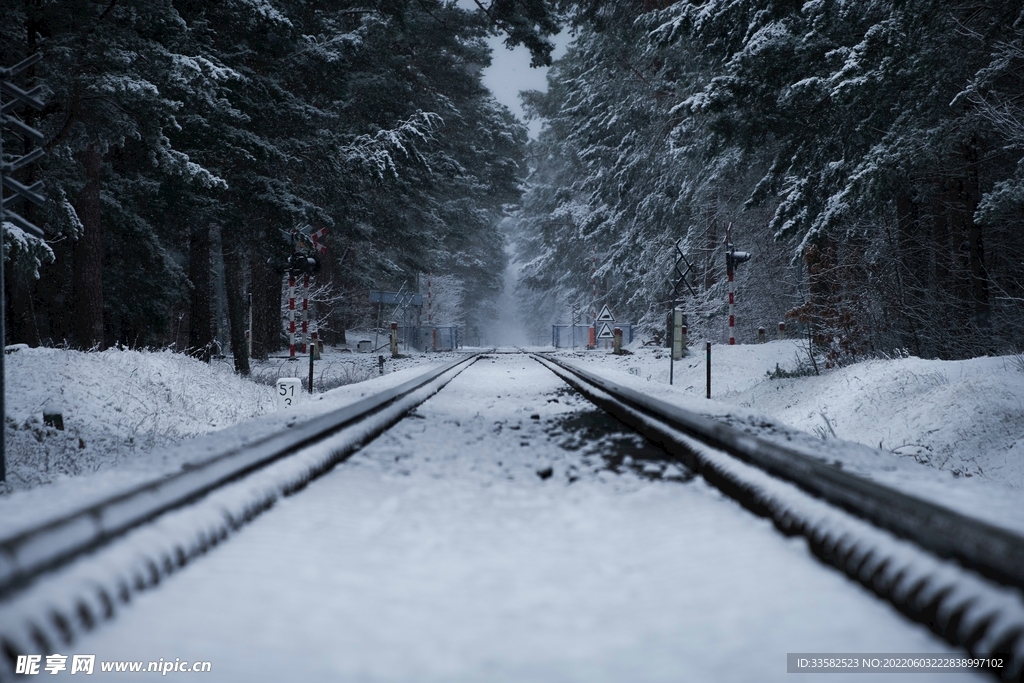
(117, 406)
(120, 408)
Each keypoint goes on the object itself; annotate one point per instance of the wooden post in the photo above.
(782, 330)
(760, 335)
(394, 340)
(617, 341)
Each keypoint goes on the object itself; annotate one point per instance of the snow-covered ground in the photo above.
(962, 417)
(121, 406)
(117, 406)
(953, 428)
(439, 552)
(504, 533)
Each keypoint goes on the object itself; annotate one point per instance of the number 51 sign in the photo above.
(288, 390)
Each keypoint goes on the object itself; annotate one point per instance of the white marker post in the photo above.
(678, 334)
(288, 390)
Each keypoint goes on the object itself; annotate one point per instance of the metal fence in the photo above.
(568, 336)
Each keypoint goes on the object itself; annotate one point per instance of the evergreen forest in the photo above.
(186, 139)
(868, 154)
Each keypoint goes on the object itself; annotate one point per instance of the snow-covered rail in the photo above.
(921, 556)
(34, 551)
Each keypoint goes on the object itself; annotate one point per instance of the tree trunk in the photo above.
(21, 318)
(87, 279)
(272, 312)
(200, 327)
(909, 268)
(979, 275)
(260, 275)
(53, 294)
(943, 249)
(236, 302)
(710, 244)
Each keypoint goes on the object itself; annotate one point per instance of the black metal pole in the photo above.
(3, 334)
(709, 368)
(27, 193)
(671, 343)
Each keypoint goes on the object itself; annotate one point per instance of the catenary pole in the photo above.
(3, 325)
(30, 193)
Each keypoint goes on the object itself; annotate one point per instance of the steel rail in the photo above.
(850, 523)
(990, 550)
(33, 551)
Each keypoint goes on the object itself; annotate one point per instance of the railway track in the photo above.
(960, 577)
(163, 524)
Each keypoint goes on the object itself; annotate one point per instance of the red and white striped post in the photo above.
(291, 315)
(302, 261)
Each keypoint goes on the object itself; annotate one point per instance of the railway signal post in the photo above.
(732, 259)
(304, 262)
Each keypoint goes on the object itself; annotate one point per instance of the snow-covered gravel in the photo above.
(444, 551)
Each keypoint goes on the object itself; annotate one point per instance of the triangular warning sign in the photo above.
(605, 315)
(605, 332)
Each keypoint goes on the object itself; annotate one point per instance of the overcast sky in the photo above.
(510, 71)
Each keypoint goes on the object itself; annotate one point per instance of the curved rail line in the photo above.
(37, 550)
(969, 611)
